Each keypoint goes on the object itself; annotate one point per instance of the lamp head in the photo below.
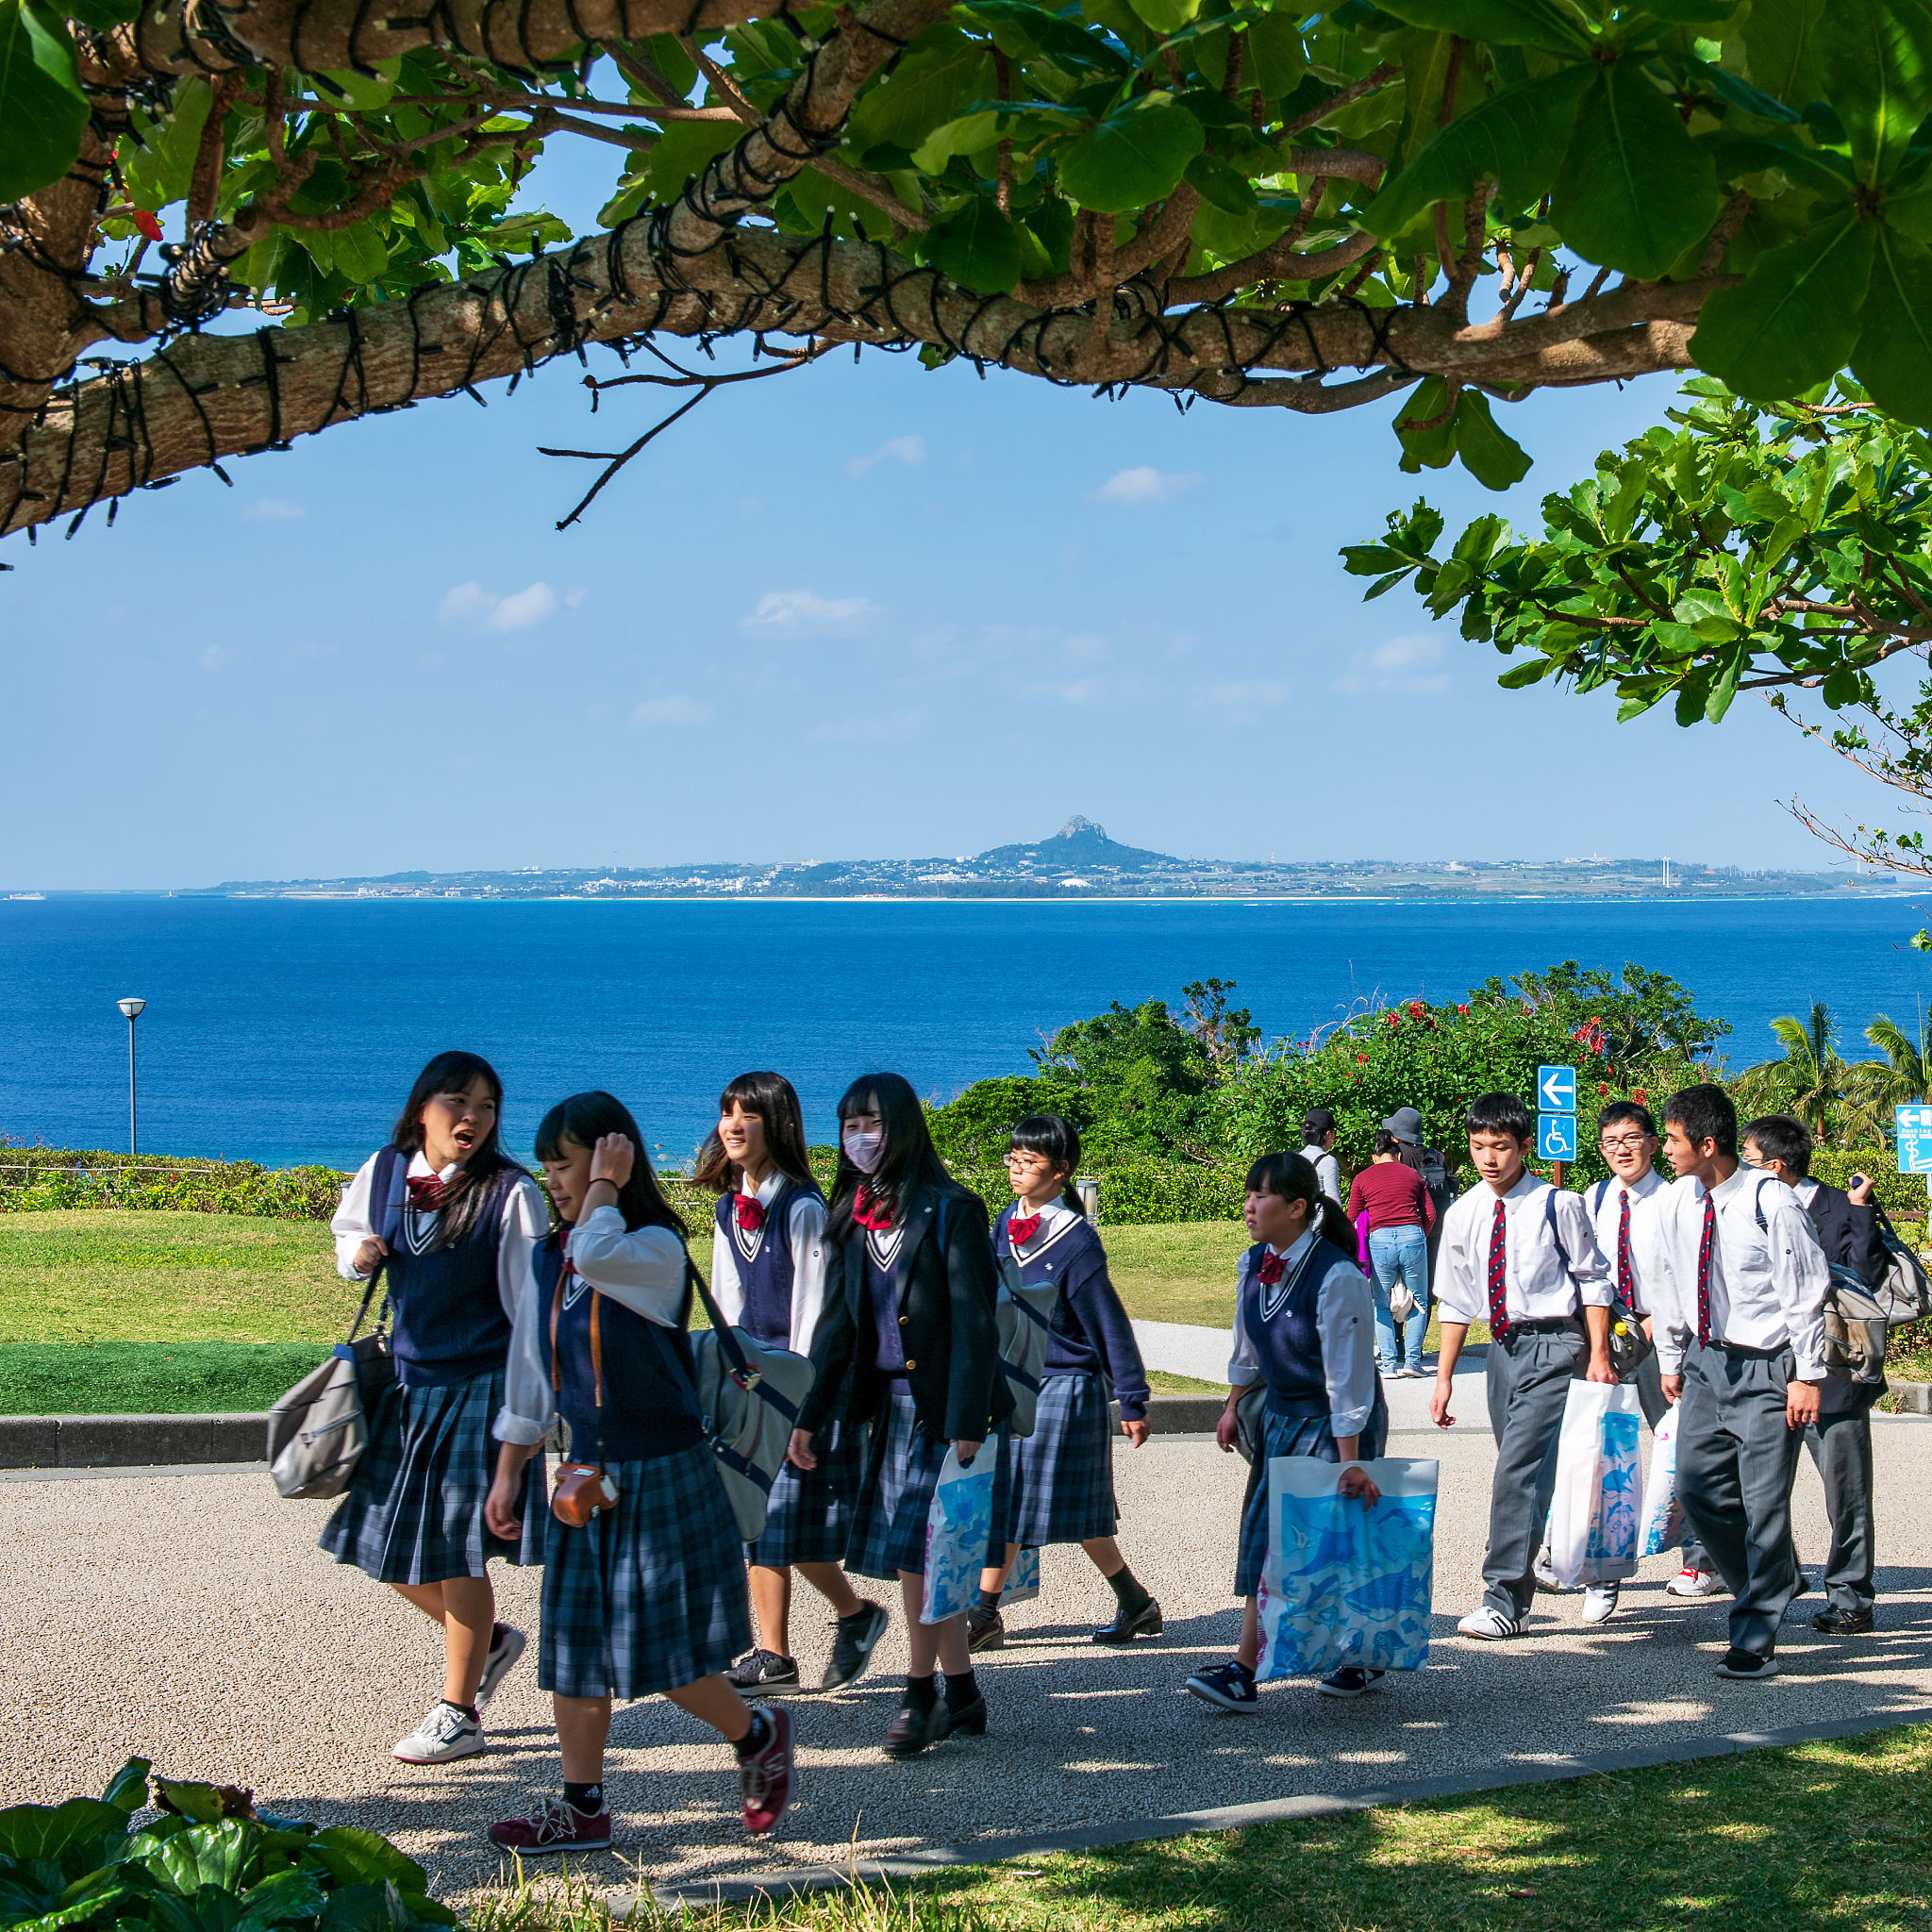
(130, 1007)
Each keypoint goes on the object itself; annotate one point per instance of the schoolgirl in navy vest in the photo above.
(767, 1274)
(909, 1343)
(1305, 1325)
(453, 1222)
(1062, 1474)
(647, 1595)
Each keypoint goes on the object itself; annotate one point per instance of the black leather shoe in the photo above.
(970, 1718)
(985, 1630)
(1127, 1626)
(911, 1731)
(1838, 1622)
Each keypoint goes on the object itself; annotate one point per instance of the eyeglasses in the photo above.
(1017, 1159)
(1624, 1144)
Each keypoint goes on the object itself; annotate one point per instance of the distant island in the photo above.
(1080, 861)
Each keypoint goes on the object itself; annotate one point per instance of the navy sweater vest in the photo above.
(446, 1309)
(1280, 1322)
(768, 1269)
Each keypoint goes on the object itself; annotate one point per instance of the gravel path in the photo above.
(190, 1619)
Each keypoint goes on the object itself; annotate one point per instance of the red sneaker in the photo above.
(764, 1778)
(554, 1827)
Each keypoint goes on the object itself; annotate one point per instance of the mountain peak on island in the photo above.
(1078, 842)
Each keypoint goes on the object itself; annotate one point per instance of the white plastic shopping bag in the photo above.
(1592, 1530)
(1022, 1580)
(1346, 1583)
(1663, 1515)
(959, 1534)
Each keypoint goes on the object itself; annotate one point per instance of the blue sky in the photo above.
(855, 612)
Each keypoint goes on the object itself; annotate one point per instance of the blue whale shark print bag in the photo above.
(1346, 1583)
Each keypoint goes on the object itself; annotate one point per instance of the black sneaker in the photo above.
(1838, 1622)
(853, 1641)
(1230, 1685)
(1351, 1680)
(760, 1671)
(1748, 1664)
(985, 1630)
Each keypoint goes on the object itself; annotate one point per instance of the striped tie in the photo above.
(1626, 1292)
(1499, 1277)
(1706, 1245)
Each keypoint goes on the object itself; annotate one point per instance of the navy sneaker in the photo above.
(1351, 1680)
(1230, 1685)
(854, 1640)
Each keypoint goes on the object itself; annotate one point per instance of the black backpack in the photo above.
(1434, 1172)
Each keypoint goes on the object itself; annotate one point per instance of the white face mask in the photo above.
(864, 1151)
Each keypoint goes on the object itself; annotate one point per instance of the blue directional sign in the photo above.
(1555, 1137)
(1556, 1091)
(1915, 1139)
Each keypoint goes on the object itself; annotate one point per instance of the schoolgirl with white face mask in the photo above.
(908, 1345)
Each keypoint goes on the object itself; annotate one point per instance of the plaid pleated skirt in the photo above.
(1062, 1474)
(808, 1516)
(1290, 1435)
(649, 1596)
(902, 1470)
(413, 1512)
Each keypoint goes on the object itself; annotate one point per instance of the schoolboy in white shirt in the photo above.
(1740, 1336)
(1520, 1255)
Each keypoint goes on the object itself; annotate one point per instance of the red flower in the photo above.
(1415, 1010)
(1639, 1096)
(1603, 1086)
(1462, 1010)
(148, 224)
(1362, 1056)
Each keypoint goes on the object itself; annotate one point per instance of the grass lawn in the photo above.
(1824, 1838)
(1178, 1271)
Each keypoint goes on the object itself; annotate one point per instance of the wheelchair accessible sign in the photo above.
(1556, 1116)
(1915, 1139)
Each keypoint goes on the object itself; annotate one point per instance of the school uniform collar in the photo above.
(1056, 1217)
(1295, 1250)
(1805, 1190)
(1645, 1185)
(1527, 1184)
(1742, 1177)
(420, 1167)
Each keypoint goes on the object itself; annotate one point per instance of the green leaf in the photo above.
(366, 1909)
(128, 1789)
(1502, 23)
(1433, 447)
(687, 148)
(977, 247)
(205, 1855)
(1166, 16)
(1234, 237)
(1893, 356)
(1489, 453)
(102, 15)
(199, 1803)
(929, 87)
(1793, 319)
(1137, 154)
(1518, 136)
(1781, 45)
(1214, 181)
(1634, 190)
(1877, 70)
(1272, 55)
(1518, 675)
(965, 136)
(360, 253)
(283, 1897)
(351, 1855)
(42, 110)
(44, 1831)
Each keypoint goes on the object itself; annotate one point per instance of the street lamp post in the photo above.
(132, 1008)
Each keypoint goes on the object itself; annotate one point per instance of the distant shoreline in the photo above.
(1676, 896)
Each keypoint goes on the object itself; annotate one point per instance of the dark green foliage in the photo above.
(37, 1179)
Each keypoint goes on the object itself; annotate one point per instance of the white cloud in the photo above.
(1252, 694)
(1403, 666)
(274, 509)
(472, 604)
(1088, 647)
(674, 710)
(806, 614)
(1145, 485)
(219, 656)
(886, 728)
(909, 450)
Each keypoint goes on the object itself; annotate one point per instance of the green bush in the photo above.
(38, 1178)
(208, 1864)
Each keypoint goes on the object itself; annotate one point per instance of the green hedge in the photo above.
(38, 1178)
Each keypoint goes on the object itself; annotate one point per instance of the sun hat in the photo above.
(1406, 1123)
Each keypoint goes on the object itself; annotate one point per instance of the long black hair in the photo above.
(908, 1160)
(1056, 1137)
(583, 1120)
(467, 1194)
(1294, 1179)
(774, 1100)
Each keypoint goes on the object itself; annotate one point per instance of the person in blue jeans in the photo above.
(1399, 1213)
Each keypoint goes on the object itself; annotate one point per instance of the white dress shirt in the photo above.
(806, 1224)
(643, 1267)
(1767, 1283)
(526, 1221)
(1327, 1171)
(1540, 1287)
(1345, 1321)
(1606, 1204)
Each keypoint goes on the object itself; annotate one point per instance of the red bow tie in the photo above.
(1022, 1227)
(1271, 1271)
(750, 1213)
(427, 1192)
(868, 1212)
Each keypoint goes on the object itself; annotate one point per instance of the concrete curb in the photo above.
(1915, 1398)
(115, 1442)
(990, 1851)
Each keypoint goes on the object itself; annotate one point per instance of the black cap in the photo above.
(1319, 1122)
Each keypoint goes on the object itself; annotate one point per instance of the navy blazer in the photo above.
(1849, 1235)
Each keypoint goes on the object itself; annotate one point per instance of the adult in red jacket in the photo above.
(1399, 1217)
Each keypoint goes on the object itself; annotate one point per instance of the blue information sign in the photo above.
(1915, 1139)
(1555, 1137)
(1556, 1091)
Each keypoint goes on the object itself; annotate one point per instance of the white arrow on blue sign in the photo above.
(1555, 1137)
(1555, 1090)
(1915, 1139)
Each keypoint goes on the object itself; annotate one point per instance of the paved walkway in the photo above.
(190, 1619)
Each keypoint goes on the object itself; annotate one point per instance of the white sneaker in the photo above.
(445, 1732)
(1599, 1603)
(1695, 1583)
(1487, 1621)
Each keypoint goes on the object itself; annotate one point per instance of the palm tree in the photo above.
(1902, 1078)
(1809, 1081)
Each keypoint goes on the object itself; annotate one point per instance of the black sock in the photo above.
(922, 1693)
(469, 1710)
(860, 1614)
(757, 1737)
(588, 1799)
(961, 1690)
(1128, 1591)
(990, 1600)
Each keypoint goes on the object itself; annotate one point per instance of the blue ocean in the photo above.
(285, 1030)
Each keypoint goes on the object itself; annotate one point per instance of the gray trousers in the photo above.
(1529, 1378)
(1736, 1460)
(1649, 1383)
(1840, 1447)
